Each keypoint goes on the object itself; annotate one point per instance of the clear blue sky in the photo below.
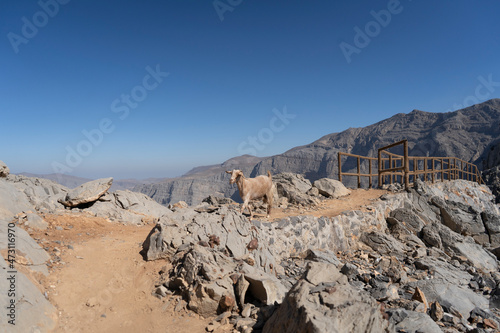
(163, 86)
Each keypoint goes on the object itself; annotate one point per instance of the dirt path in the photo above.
(100, 283)
(103, 284)
(357, 200)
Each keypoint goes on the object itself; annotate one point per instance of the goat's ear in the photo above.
(228, 172)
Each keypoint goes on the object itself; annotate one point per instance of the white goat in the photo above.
(253, 188)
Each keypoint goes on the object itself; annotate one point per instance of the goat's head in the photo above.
(234, 175)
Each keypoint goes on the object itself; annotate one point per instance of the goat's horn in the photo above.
(228, 171)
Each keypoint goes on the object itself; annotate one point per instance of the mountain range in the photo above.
(472, 134)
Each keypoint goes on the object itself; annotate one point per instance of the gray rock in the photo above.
(492, 224)
(382, 243)
(139, 203)
(264, 287)
(413, 322)
(34, 221)
(430, 236)
(450, 295)
(442, 270)
(4, 170)
(12, 201)
(337, 309)
(87, 193)
(43, 194)
(323, 256)
(294, 188)
(409, 219)
(331, 188)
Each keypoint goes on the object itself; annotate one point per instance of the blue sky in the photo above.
(137, 89)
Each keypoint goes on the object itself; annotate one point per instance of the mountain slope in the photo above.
(468, 134)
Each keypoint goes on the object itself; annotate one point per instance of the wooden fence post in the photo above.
(340, 166)
(359, 172)
(407, 166)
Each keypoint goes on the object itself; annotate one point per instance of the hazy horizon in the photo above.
(138, 90)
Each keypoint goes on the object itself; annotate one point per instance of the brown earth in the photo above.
(99, 281)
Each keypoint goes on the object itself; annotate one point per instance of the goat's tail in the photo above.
(269, 174)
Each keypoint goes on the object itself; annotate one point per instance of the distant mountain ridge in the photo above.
(70, 181)
(469, 133)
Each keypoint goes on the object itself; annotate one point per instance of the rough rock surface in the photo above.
(295, 188)
(88, 192)
(324, 301)
(398, 265)
(12, 201)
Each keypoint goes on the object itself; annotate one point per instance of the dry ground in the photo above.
(99, 282)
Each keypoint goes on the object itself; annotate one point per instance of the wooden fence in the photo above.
(393, 168)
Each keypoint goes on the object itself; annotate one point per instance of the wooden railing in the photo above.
(405, 169)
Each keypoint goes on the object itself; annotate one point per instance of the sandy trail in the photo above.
(102, 283)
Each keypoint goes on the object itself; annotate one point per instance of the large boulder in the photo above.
(4, 170)
(331, 188)
(139, 203)
(294, 187)
(324, 301)
(88, 192)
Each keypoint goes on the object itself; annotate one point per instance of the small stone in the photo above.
(490, 323)
(212, 326)
(247, 310)
(254, 244)
(449, 318)
(227, 303)
(436, 311)
(223, 316)
(161, 291)
(419, 296)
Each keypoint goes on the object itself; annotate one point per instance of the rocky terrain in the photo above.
(470, 134)
(424, 260)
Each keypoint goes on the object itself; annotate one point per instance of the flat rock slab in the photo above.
(88, 192)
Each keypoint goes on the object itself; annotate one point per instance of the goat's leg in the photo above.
(269, 199)
(246, 205)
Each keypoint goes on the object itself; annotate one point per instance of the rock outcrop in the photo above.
(23, 203)
(406, 263)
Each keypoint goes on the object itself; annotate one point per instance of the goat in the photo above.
(253, 188)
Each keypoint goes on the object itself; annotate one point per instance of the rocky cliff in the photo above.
(470, 134)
